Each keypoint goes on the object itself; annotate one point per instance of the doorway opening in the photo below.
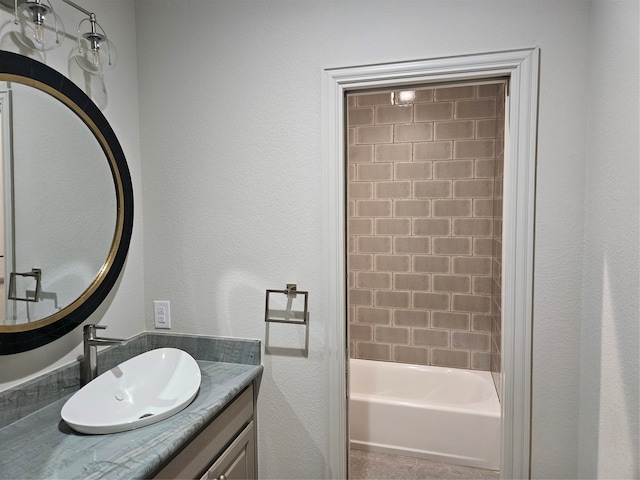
(520, 67)
(424, 234)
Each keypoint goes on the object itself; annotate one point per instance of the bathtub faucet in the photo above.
(90, 342)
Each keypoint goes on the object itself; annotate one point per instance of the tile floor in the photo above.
(382, 466)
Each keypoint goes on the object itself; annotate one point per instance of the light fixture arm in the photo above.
(78, 7)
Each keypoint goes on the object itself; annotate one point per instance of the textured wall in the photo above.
(421, 183)
(610, 380)
(232, 135)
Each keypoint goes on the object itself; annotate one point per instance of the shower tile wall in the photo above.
(496, 273)
(420, 224)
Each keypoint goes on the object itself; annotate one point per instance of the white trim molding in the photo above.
(521, 68)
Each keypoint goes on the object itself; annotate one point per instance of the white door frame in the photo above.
(521, 67)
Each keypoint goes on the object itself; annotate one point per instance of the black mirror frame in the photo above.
(31, 72)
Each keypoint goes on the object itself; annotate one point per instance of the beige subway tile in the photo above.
(481, 361)
(471, 148)
(412, 208)
(454, 130)
(484, 168)
(361, 332)
(488, 90)
(432, 188)
(482, 246)
(452, 208)
(393, 189)
(374, 245)
(413, 132)
(450, 320)
(373, 351)
(396, 152)
(360, 153)
(394, 114)
(469, 188)
(360, 226)
(430, 264)
(429, 112)
(471, 341)
(393, 226)
(454, 93)
(451, 246)
(450, 358)
(411, 318)
(480, 227)
(412, 355)
(431, 301)
(352, 244)
(486, 128)
(481, 108)
(373, 208)
(413, 244)
(376, 134)
(392, 299)
(351, 136)
(452, 283)
(431, 226)
(471, 303)
(351, 280)
(412, 170)
(360, 116)
(374, 280)
(481, 322)
(351, 101)
(376, 316)
(360, 297)
(360, 262)
(374, 99)
(396, 335)
(483, 207)
(351, 173)
(360, 190)
(411, 281)
(374, 171)
(393, 263)
(432, 151)
(453, 169)
(424, 95)
(482, 285)
(431, 338)
(472, 265)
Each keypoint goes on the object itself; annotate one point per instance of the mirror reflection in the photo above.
(59, 206)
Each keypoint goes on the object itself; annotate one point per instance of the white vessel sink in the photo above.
(143, 390)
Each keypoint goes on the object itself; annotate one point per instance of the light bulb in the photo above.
(39, 27)
(95, 53)
(39, 33)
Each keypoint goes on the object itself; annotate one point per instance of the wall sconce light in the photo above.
(41, 28)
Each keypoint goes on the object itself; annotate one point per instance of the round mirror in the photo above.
(67, 205)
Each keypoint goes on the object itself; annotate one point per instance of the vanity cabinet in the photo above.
(225, 449)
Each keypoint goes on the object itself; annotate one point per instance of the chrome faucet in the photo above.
(91, 341)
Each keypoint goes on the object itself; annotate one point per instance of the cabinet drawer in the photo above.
(203, 450)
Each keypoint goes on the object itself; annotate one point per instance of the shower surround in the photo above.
(424, 188)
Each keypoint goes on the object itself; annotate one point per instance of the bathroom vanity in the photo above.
(214, 437)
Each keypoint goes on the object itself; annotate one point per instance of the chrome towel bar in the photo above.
(291, 292)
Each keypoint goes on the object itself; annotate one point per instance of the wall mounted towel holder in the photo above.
(291, 292)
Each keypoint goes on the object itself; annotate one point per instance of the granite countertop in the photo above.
(41, 445)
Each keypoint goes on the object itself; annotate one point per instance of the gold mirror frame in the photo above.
(18, 338)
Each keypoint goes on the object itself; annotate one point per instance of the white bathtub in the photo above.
(443, 414)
